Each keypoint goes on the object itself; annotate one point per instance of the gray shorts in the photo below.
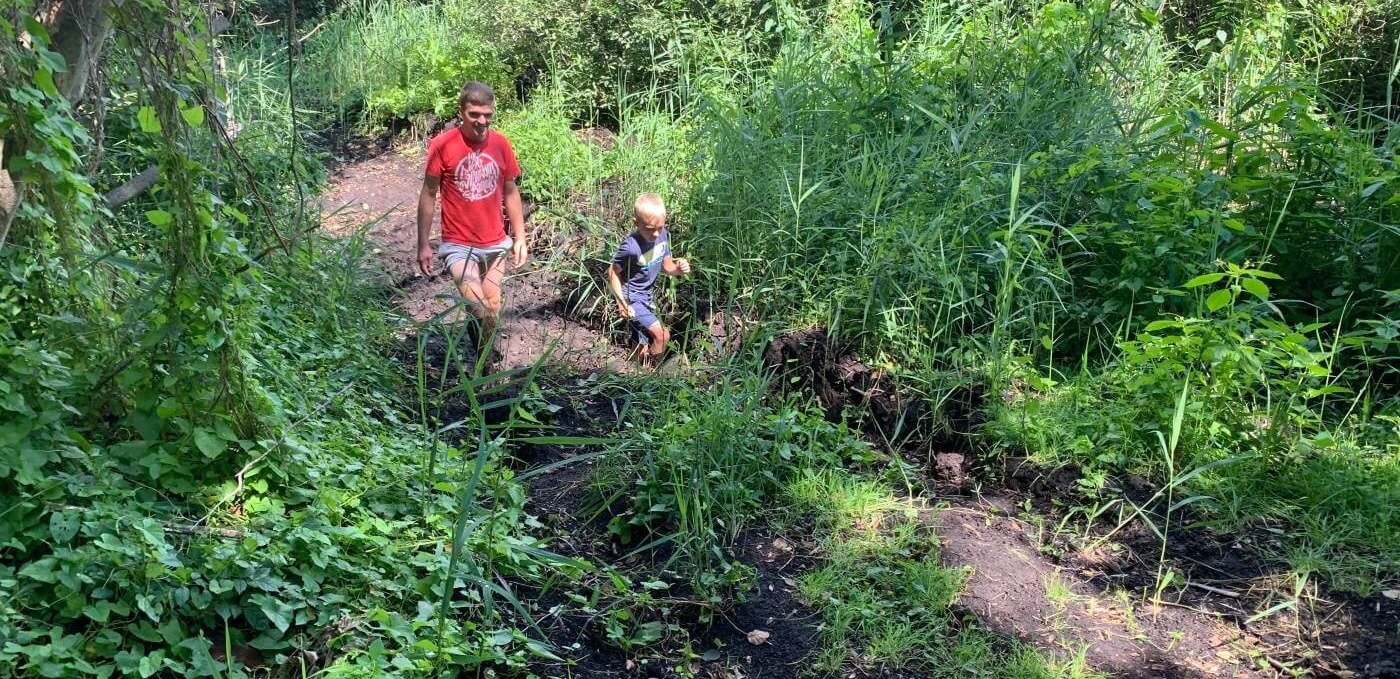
(482, 255)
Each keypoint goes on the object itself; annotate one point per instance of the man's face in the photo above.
(476, 120)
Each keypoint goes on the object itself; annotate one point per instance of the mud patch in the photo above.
(936, 435)
(1235, 577)
(699, 640)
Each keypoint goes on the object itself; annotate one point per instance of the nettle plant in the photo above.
(1253, 381)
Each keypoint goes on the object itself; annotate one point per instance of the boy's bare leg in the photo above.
(660, 335)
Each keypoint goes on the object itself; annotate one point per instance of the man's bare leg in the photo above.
(491, 300)
(466, 275)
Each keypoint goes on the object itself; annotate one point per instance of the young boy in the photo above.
(645, 253)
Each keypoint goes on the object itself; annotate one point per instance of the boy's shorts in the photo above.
(643, 317)
(483, 255)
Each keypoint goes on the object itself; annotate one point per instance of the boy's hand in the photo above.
(425, 260)
(626, 310)
(683, 266)
(519, 253)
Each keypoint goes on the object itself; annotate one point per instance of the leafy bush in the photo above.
(554, 161)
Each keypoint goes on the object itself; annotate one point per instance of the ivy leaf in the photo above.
(209, 443)
(193, 115)
(277, 612)
(1218, 299)
(63, 526)
(146, 116)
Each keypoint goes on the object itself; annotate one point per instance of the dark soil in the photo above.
(811, 361)
(706, 641)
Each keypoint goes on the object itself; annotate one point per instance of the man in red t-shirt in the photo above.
(477, 167)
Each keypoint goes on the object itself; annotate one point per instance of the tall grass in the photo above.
(1001, 187)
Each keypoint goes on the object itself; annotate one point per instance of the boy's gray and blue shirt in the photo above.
(640, 261)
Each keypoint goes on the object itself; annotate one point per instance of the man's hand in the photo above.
(425, 260)
(626, 310)
(682, 266)
(519, 252)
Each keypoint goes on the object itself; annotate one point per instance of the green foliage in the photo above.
(199, 457)
(401, 59)
(555, 163)
(1260, 435)
(695, 475)
(883, 596)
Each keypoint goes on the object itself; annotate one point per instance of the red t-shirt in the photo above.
(473, 185)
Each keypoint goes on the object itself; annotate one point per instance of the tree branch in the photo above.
(133, 187)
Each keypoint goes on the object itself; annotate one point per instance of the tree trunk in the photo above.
(79, 31)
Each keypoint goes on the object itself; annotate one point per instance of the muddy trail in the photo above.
(1025, 580)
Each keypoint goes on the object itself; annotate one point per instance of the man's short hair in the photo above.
(649, 208)
(476, 93)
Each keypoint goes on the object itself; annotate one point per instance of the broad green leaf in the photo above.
(159, 217)
(277, 612)
(1256, 287)
(1154, 326)
(151, 664)
(1218, 299)
(63, 526)
(44, 79)
(1204, 279)
(1366, 192)
(193, 115)
(40, 571)
(209, 443)
(146, 117)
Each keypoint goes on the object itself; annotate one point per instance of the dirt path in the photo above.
(382, 192)
(1061, 605)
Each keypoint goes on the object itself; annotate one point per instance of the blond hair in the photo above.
(649, 209)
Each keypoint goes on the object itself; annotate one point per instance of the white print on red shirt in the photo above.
(477, 176)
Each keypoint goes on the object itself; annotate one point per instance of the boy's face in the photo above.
(649, 226)
(476, 120)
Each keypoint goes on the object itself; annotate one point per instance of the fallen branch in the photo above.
(1216, 590)
(133, 187)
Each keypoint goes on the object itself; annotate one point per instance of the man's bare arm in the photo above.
(427, 204)
(516, 215)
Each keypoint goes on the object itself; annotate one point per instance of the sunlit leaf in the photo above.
(146, 117)
(1218, 299)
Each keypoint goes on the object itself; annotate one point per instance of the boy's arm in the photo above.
(516, 215)
(615, 284)
(675, 267)
(427, 203)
